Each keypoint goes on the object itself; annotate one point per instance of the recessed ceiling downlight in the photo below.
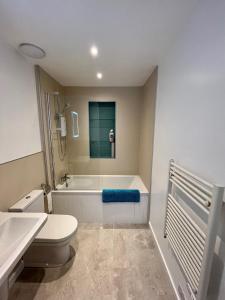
(99, 75)
(94, 51)
(31, 50)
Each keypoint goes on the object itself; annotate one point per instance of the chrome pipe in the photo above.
(50, 143)
(41, 121)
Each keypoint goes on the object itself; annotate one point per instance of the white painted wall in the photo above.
(19, 125)
(190, 120)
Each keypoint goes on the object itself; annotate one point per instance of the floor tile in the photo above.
(112, 262)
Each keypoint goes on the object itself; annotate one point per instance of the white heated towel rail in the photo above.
(192, 246)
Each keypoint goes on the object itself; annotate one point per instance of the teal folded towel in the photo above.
(116, 195)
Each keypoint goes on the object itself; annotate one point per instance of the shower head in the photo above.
(67, 105)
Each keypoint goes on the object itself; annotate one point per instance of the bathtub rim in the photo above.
(143, 191)
(86, 192)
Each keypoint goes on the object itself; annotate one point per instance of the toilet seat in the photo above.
(57, 229)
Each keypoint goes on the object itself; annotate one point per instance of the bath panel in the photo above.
(87, 206)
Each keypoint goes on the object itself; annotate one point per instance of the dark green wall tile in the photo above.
(101, 120)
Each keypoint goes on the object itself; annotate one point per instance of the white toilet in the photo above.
(51, 247)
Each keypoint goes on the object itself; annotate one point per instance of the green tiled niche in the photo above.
(101, 120)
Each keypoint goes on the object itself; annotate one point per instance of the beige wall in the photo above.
(22, 175)
(128, 105)
(147, 128)
(134, 138)
(50, 85)
(21, 168)
(19, 125)
(19, 177)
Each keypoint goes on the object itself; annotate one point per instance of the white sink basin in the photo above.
(12, 231)
(17, 231)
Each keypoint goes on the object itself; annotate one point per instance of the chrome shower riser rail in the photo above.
(192, 246)
(50, 139)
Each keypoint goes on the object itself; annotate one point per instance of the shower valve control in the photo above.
(111, 136)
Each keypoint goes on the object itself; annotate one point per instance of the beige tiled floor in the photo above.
(111, 263)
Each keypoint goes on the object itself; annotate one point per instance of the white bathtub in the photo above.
(83, 199)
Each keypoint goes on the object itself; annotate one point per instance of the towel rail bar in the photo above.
(180, 185)
(193, 248)
(202, 194)
(193, 258)
(194, 274)
(201, 234)
(206, 190)
(188, 273)
(197, 244)
(199, 204)
(204, 182)
(192, 245)
(185, 236)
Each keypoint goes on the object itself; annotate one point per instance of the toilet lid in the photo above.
(57, 229)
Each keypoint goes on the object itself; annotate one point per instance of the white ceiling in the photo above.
(132, 36)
